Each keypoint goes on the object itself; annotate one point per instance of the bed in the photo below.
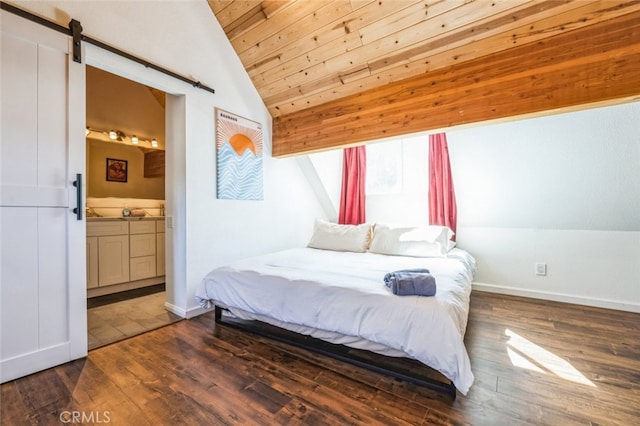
(340, 297)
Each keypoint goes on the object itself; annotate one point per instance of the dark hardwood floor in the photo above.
(535, 363)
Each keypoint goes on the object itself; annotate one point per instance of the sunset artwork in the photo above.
(238, 157)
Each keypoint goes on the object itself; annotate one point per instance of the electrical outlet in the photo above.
(169, 220)
(541, 269)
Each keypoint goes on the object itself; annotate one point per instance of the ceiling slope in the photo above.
(334, 73)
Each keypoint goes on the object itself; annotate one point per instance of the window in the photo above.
(398, 166)
(398, 180)
(384, 168)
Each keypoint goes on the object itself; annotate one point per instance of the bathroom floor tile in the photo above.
(118, 320)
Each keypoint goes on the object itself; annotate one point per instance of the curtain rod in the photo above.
(75, 30)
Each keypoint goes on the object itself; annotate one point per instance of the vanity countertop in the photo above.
(129, 218)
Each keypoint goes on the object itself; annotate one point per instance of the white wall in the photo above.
(563, 190)
(328, 165)
(185, 37)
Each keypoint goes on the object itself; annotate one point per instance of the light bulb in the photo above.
(154, 143)
(87, 131)
(113, 135)
(134, 140)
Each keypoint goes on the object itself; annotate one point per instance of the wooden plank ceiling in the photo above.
(341, 72)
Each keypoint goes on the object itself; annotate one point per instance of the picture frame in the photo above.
(117, 170)
(239, 157)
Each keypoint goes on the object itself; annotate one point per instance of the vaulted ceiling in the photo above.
(349, 60)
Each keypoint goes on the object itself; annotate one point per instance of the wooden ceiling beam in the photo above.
(591, 65)
(501, 68)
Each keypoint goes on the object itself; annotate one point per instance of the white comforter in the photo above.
(344, 292)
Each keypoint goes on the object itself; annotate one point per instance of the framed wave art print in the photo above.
(239, 156)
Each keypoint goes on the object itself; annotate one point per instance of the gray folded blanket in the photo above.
(411, 282)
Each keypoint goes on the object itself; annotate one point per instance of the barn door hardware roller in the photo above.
(76, 33)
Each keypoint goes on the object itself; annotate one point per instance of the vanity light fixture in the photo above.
(119, 136)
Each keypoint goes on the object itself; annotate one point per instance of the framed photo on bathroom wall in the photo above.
(116, 170)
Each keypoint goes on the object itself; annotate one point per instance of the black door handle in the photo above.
(78, 184)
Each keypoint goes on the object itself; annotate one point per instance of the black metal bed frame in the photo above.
(339, 352)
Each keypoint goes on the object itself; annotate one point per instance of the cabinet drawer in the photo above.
(143, 227)
(142, 245)
(113, 227)
(142, 267)
(160, 225)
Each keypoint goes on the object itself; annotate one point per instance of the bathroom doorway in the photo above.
(125, 208)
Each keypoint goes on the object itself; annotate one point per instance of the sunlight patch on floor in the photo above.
(525, 354)
(522, 362)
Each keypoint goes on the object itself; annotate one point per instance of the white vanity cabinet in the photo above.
(123, 254)
(112, 241)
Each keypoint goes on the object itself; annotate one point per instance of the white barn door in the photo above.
(43, 271)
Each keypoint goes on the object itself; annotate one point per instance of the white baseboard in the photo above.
(558, 297)
(188, 313)
(175, 309)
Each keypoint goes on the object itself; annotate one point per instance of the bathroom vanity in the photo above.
(124, 253)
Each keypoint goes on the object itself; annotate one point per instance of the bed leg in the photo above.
(218, 313)
(453, 392)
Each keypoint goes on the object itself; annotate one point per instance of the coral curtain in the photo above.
(442, 197)
(352, 198)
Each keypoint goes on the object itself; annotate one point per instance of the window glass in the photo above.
(384, 168)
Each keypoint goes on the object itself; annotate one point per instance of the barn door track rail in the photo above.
(75, 31)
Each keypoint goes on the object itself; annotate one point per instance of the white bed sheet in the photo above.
(344, 293)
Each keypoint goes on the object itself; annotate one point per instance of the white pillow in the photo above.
(427, 241)
(332, 236)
